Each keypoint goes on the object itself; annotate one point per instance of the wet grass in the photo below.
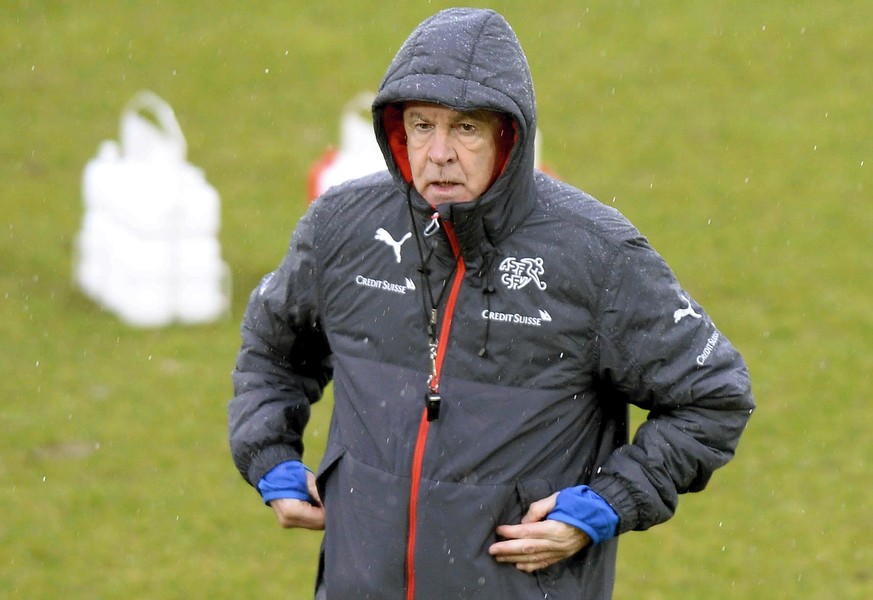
(735, 134)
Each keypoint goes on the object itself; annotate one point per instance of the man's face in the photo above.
(451, 153)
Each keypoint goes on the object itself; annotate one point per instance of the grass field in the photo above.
(736, 135)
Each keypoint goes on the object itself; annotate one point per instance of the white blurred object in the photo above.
(359, 153)
(148, 249)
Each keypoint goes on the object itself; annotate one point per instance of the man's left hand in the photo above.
(537, 543)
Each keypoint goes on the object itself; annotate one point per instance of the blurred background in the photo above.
(735, 135)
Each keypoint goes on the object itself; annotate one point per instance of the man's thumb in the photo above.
(540, 509)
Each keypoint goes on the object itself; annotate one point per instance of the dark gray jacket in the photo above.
(561, 314)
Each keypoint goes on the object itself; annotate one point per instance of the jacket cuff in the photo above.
(618, 495)
(584, 509)
(268, 458)
(287, 480)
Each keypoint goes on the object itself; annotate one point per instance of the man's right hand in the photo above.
(300, 513)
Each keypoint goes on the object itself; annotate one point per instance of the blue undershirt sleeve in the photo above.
(584, 509)
(285, 480)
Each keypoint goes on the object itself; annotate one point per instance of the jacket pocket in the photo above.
(532, 490)
(332, 456)
(456, 525)
(365, 529)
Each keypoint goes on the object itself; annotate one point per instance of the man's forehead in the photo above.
(429, 109)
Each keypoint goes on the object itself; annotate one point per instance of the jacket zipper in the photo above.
(424, 424)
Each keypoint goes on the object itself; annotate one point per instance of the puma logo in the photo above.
(384, 236)
(681, 313)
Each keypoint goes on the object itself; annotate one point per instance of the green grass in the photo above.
(736, 135)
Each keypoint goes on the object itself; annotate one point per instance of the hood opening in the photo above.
(507, 136)
(392, 122)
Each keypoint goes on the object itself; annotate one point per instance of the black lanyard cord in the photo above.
(430, 312)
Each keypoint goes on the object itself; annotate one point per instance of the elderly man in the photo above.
(485, 327)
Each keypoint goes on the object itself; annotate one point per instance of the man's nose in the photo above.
(441, 149)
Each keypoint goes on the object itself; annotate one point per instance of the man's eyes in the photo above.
(422, 126)
(464, 127)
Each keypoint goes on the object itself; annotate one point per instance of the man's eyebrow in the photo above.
(480, 114)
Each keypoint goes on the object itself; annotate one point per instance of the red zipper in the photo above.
(424, 424)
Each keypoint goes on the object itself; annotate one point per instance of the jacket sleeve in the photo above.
(283, 364)
(660, 351)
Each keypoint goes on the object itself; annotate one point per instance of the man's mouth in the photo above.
(445, 190)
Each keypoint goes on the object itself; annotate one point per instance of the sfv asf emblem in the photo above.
(517, 273)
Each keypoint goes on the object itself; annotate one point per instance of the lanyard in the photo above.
(437, 342)
(437, 345)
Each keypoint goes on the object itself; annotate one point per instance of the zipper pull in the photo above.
(434, 225)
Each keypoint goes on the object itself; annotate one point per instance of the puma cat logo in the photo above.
(681, 313)
(384, 236)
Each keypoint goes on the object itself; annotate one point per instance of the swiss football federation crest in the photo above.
(517, 273)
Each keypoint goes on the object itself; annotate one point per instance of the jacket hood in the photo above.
(465, 59)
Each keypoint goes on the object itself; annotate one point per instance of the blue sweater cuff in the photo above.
(285, 480)
(584, 509)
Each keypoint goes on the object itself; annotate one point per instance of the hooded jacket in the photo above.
(552, 315)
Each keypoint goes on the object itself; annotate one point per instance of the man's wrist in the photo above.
(584, 509)
(287, 480)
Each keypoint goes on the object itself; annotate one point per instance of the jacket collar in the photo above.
(481, 225)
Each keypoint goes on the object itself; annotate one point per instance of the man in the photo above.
(485, 327)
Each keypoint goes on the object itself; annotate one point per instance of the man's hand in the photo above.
(537, 543)
(300, 513)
